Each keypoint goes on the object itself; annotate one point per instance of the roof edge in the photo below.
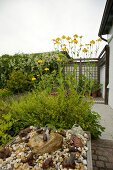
(108, 6)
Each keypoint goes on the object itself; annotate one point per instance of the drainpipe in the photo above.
(106, 70)
(102, 38)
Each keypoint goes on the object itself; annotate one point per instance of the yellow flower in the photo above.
(59, 59)
(40, 61)
(81, 36)
(58, 39)
(75, 41)
(81, 45)
(99, 39)
(75, 36)
(57, 42)
(68, 38)
(85, 50)
(33, 78)
(63, 36)
(92, 42)
(64, 45)
(64, 49)
(46, 69)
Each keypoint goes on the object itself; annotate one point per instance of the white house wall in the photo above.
(102, 80)
(110, 102)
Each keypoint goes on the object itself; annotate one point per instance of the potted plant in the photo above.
(96, 89)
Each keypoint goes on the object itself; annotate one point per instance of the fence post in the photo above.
(80, 67)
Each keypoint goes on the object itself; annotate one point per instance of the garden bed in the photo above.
(34, 149)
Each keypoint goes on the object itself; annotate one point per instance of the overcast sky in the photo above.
(29, 26)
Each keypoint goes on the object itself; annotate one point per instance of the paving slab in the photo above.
(106, 113)
(102, 149)
(102, 154)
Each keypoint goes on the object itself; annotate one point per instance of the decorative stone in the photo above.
(24, 132)
(47, 163)
(41, 147)
(77, 142)
(69, 162)
(5, 153)
(76, 130)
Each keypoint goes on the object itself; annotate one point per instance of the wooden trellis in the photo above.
(84, 66)
(90, 67)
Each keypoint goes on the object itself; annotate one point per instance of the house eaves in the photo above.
(107, 19)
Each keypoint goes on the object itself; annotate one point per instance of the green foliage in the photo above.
(87, 85)
(5, 92)
(96, 86)
(5, 122)
(27, 63)
(5, 125)
(19, 82)
(55, 102)
(61, 110)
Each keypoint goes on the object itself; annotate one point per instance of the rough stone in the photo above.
(41, 147)
(69, 162)
(24, 132)
(77, 142)
(5, 152)
(47, 163)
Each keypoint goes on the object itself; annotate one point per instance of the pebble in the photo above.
(9, 166)
(84, 162)
(1, 161)
(16, 165)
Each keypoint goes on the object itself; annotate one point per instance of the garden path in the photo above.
(106, 114)
(102, 149)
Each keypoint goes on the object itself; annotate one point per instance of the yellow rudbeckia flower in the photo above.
(68, 38)
(75, 41)
(85, 50)
(64, 49)
(33, 78)
(75, 36)
(40, 61)
(63, 37)
(99, 39)
(81, 45)
(92, 42)
(46, 69)
(57, 42)
(81, 36)
(58, 39)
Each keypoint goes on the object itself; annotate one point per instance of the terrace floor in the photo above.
(102, 149)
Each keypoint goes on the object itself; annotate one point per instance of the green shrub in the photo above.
(27, 63)
(19, 82)
(61, 109)
(5, 126)
(5, 92)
